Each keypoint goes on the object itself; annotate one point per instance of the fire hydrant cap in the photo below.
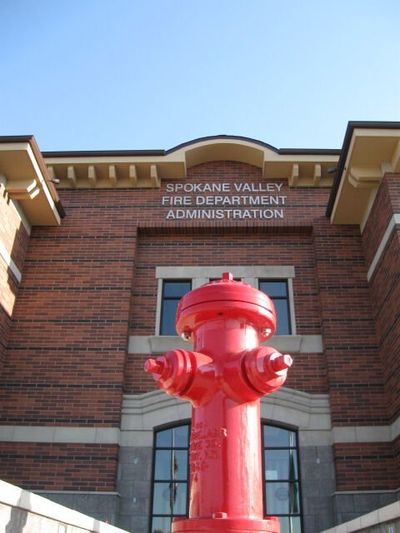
(226, 296)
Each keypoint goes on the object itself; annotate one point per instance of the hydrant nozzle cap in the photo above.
(154, 366)
(282, 362)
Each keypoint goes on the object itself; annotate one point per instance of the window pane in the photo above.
(164, 438)
(295, 524)
(163, 465)
(282, 498)
(162, 503)
(284, 523)
(282, 317)
(274, 288)
(169, 498)
(161, 524)
(280, 465)
(180, 491)
(180, 459)
(176, 289)
(168, 317)
(181, 437)
(278, 437)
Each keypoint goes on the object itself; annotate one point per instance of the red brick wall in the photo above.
(78, 467)
(14, 238)
(385, 287)
(68, 342)
(387, 202)
(365, 466)
(354, 369)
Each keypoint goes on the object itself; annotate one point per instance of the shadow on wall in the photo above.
(12, 255)
(18, 518)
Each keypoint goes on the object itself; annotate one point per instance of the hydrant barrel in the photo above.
(224, 378)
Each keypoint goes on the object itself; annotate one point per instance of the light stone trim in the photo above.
(367, 433)
(310, 413)
(60, 434)
(238, 271)
(6, 257)
(361, 434)
(142, 413)
(44, 185)
(155, 344)
(95, 492)
(386, 236)
(15, 204)
(27, 225)
(380, 516)
(15, 497)
(378, 491)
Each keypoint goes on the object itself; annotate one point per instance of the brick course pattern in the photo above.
(366, 466)
(354, 369)
(78, 467)
(68, 342)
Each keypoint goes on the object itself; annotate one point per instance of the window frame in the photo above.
(281, 298)
(298, 480)
(169, 298)
(248, 274)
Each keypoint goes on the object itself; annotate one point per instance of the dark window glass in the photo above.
(170, 479)
(171, 294)
(281, 477)
(277, 290)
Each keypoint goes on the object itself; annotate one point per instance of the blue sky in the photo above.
(130, 74)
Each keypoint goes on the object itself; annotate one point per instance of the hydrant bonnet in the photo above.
(226, 297)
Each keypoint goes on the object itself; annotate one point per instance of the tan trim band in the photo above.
(9, 262)
(386, 236)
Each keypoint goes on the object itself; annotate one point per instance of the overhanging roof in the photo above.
(146, 168)
(24, 176)
(370, 150)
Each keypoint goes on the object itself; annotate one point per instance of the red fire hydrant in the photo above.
(224, 378)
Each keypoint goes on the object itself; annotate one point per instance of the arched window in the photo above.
(280, 474)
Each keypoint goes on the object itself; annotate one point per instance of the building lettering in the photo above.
(236, 200)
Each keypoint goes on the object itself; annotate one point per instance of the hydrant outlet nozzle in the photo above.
(154, 366)
(282, 362)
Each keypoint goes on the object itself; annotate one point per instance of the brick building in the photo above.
(97, 247)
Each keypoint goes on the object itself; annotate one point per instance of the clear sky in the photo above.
(148, 74)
